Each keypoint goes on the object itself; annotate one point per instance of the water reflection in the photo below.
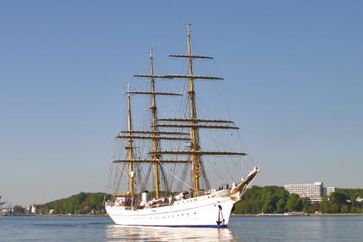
(122, 233)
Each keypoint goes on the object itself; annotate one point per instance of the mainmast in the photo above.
(130, 148)
(193, 123)
(193, 116)
(154, 127)
(154, 134)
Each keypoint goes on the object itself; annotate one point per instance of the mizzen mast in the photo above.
(154, 127)
(130, 149)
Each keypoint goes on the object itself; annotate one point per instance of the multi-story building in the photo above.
(312, 191)
(328, 190)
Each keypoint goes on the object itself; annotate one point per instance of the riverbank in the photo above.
(290, 215)
(56, 215)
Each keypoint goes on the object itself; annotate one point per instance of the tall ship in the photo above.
(166, 182)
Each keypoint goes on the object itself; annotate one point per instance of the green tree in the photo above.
(325, 206)
(307, 206)
(268, 199)
(294, 203)
(336, 201)
(82, 203)
(18, 210)
(280, 206)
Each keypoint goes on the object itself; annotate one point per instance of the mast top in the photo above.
(128, 89)
(189, 28)
(151, 51)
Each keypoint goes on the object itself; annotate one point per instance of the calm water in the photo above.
(335, 228)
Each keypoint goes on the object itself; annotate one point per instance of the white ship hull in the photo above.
(210, 210)
(202, 211)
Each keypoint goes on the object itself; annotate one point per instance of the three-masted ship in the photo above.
(197, 207)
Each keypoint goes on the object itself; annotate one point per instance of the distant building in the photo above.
(312, 191)
(328, 190)
(34, 209)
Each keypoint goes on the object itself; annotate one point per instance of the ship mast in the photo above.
(193, 123)
(154, 127)
(154, 135)
(130, 148)
(193, 115)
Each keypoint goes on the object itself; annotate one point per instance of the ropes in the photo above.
(178, 178)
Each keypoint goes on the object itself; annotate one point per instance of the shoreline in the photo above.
(56, 215)
(297, 215)
(232, 215)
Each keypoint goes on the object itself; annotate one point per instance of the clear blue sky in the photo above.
(293, 70)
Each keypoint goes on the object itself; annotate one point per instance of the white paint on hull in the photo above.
(197, 211)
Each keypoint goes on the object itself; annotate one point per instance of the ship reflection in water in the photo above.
(125, 233)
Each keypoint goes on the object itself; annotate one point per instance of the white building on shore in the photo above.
(312, 191)
(34, 209)
(328, 190)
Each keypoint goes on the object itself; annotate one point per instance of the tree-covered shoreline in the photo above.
(256, 200)
(276, 200)
(82, 203)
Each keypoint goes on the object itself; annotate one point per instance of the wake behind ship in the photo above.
(199, 205)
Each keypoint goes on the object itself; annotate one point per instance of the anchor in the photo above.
(220, 215)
